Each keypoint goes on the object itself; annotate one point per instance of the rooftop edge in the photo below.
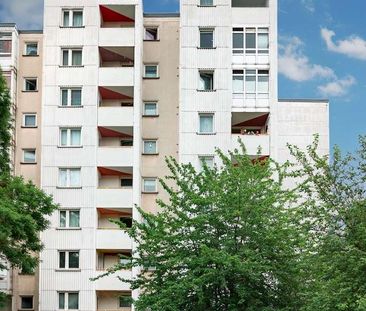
(303, 100)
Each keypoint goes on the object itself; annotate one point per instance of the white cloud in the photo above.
(296, 66)
(28, 14)
(353, 46)
(309, 5)
(337, 88)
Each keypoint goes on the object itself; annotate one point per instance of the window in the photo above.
(72, 57)
(68, 259)
(126, 142)
(27, 302)
(31, 49)
(127, 220)
(256, 40)
(125, 301)
(71, 97)
(150, 109)
(256, 83)
(29, 155)
(206, 123)
(68, 301)
(149, 185)
(126, 182)
(72, 18)
(30, 84)
(70, 137)
(151, 71)
(5, 43)
(29, 120)
(206, 38)
(150, 147)
(69, 219)
(69, 178)
(206, 2)
(206, 81)
(206, 160)
(151, 34)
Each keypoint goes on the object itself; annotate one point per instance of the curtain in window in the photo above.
(75, 137)
(151, 71)
(73, 301)
(5, 46)
(61, 301)
(29, 120)
(263, 42)
(206, 81)
(263, 84)
(149, 147)
(74, 260)
(75, 97)
(62, 219)
(74, 219)
(64, 97)
(29, 156)
(150, 109)
(62, 177)
(74, 177)
(206, 124)
(250, 87)
(63, 137)
(149, 185)
(66, 18)
(77, 19)
(76, 58)
(65, 58)
(31, 49)
(206, 2)
(238, 84)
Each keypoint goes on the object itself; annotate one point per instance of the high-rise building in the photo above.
(121, 90)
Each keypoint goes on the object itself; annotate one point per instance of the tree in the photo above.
(335, 209)
(225, 240)
(23, 207)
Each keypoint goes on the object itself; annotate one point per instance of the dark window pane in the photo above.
(126, 182)
(127, 221)
(61, 301)
(126, 143)
(250, 40)
(74, 260)
(206, 38)
(73, 301)
(62, 260)
(124, 302)
(238, 40)
(27, 302)
(31, 85)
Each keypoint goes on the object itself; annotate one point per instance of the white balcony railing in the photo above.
(114, 198)
(116, 76)
(115, 116)
(112, 283)
(121, 37)
(115, 156)
(113, 239)
(252, 143)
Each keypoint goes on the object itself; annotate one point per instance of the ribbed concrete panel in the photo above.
(113, 239)
(70, 239)
(76, 37)
(114, 198)
(112, 282)
(50, 298)
(50, 259)
(67, 281)
(115, 116)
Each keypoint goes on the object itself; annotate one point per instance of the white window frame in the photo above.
(27, 115)
(69, 96)
(67, 259)
(149, 179)
(25, 84)
(26, 45)
(23, 155)
(199, 123)
(245, 74)
(67, 224)
(150, 115)
(66, 294)
(68, 143)
(257, 31)
(207, 29)
(144, 141)
(157, 33)
(202, 157)
(157, 71)
(68, 170)
(203, 71)
(71, 17)
(69, 59)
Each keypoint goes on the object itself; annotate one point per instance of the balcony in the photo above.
(115, 116)
(116, 16)
(116, 37)
(113, 239)
(115, 156)
(252, 129)
(250, 11)
(114, 198)
(116, 76)
(112, 283)
(111, 300)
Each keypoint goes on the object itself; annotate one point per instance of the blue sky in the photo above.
(322, 54)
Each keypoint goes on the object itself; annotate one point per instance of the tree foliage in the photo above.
(23, 207)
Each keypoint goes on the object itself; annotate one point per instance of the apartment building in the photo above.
(120, 91)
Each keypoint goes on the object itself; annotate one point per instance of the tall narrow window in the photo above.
(238, 41)
(70, 137)
(206, 38)
(68, 301)
(206, 82)
(263, 41)
(206, 123)
(250, 83)
(5, 43)
(238, 81)
(250, 41)
(263, 83)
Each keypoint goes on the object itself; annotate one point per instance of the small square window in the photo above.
(151, 71)
(29, 155)
(150, 109)
(206, 160)
(206, 38)
(150, 147)
(151, 34)
(149, 185)
(31, 49)
(27, 302)
(206, 81)
(29, 120)
(206, 123)
(30, 84)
